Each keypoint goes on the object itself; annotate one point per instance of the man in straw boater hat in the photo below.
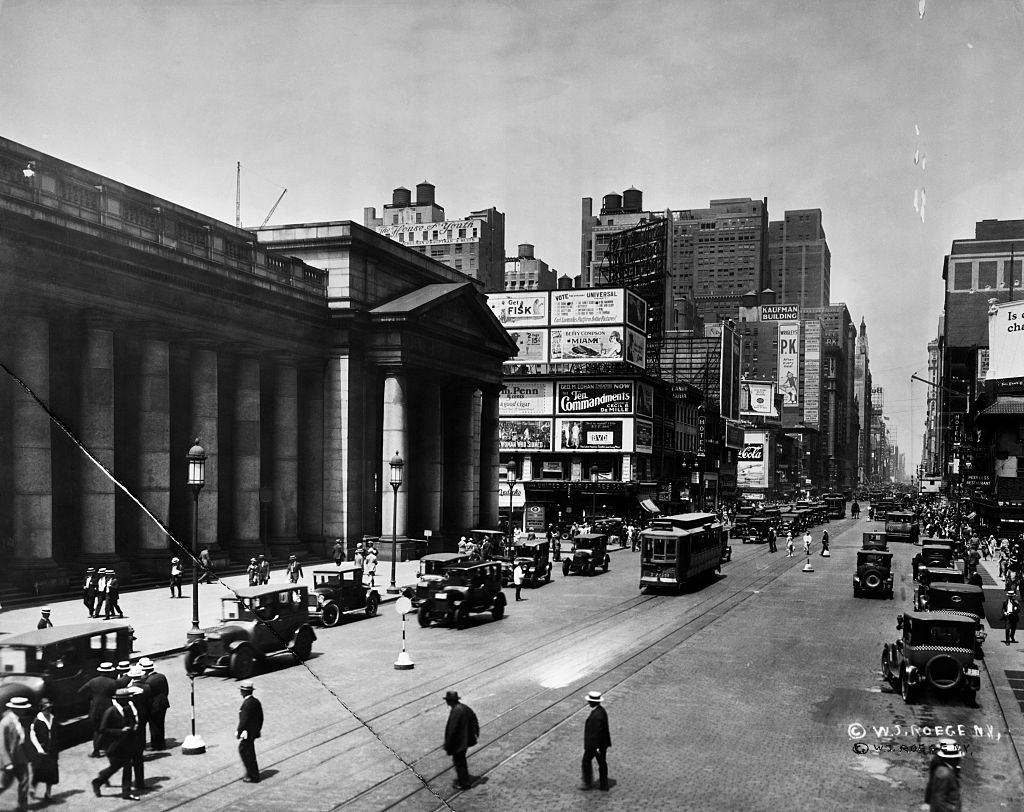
(158, 705)
(120, 730)
(943, 791)
(100, 690)
(460, 733)
(13, 752)
(596, 741)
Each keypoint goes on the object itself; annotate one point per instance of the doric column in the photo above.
(426, 447)
(285, 450)
(311, 461)
(33, 484)
(489, 458)
(395, 438)
(460, 464)
(204, 403)
(97, 433)
(154, 422)
(245, 461)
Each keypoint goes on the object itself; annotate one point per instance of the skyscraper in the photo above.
(801, 264)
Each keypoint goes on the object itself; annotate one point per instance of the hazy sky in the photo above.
(530, 106)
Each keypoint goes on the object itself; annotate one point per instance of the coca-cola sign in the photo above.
(754, 453)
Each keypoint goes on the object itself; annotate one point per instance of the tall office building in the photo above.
(862, 395)
(525, 272)
(474, 245)
(801, 264)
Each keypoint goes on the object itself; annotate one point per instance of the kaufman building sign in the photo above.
(520, 398)
(595, 397)
(789, 362)
(783, 312)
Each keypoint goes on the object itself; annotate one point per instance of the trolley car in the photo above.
(677, 550)
(836, 505)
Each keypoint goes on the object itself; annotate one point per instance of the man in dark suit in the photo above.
(119, 729)
(250, 726)
(460, 734)
(159, 703)
(596, 741)
(100, 690)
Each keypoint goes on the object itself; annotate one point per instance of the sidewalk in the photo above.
(161, 622)
(1004, 663)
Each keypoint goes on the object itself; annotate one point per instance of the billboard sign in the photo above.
(517, 495)
(587, 344)
(595, 397)
(780, 312)
(520, 309)
(525, 435)
(590, 306)
(752, 461)
(594, 435)
(1005, 341)
(789, 362)
(645, 399)
(643, 442)
(812, 372)
(636, 312)
(533, 346)
(729, 372)
(758, 398)
(520, 398)
(636, 348)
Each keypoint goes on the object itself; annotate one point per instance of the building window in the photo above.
(962, 273)
(1016, 280)
(419, 217)
(462, 233)
(987, 274)
(394, 219)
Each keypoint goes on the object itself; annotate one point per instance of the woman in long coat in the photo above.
(42, 736)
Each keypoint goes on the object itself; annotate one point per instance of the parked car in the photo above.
(56, 662)
(256, 622)
(874, 540)
(499, 541)
(961, 599)
(874, 574)
(534, 556)
(589, 553)
(465, 590)
(614, 528)
(935, 556)
(928, 576)
(937, 650)
(341, 590)
(432, 573)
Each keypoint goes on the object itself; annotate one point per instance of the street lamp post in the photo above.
(594, 472)
(397, 464)
(510, 478)
(196, 479)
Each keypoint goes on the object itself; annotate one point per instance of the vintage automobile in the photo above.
(612, 527)
(874, 573)
(874, 540)
(57, 661)
(936, 649)
(757, 529)
(960, 599)
(534, 556)
(739, 523)
(465, 589)
(256, 622)
(498, 541)
(341, 590)
(927, 576)
(432, 573)
(589, 553)
(901, 525)
(935, 556)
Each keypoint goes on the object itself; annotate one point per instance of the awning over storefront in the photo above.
(650, 507)
(1005, 404)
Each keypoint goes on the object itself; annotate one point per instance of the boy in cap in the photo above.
(250, 726)
(943, 791)
(460, 733)
(44, 619)
(13, 752)
(596, 741)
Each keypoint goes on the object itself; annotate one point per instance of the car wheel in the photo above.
(856, 592)
(242, 664)
(302, 647)
(498, 610)
(331, 614)
(565, 567)
(907, 690)
(372, 602)
(547, 576)
(886, 670)
(461, 616)
(607, 562)
(423, 615)
(194, 662)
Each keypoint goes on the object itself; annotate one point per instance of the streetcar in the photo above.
(836, 505)
(677, 550)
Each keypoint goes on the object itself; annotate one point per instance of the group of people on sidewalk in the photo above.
(28, 750)
(101, 593)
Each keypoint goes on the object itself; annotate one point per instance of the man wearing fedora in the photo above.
(13, 752)
(943, 791)
(100, 690)
(120, 731)
(460, 734)
(250, 726)
(596, 741)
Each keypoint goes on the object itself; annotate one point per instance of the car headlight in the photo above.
(319, 599)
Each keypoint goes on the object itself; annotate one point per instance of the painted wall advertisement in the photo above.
(789, 362)
(1005, 341)
(526, 398)
(636, 348)
(533, 346)
(595, 397)
(592, 306)
(643, 442)
(524, 435)
(594, 435)
(586, 344)
(812, 372)
(758, 397)
(752, 462)
(636, 312)
(520, 309)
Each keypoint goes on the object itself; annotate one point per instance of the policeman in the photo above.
(250, 726)
(44, 619)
